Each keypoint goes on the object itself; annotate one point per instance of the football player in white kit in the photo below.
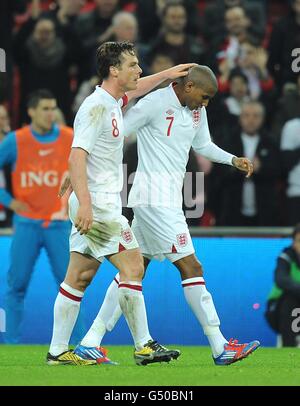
(99, 230)
(168, 123)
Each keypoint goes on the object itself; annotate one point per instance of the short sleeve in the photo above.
(88, 125)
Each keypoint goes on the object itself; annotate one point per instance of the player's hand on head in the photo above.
(84, 219)
(244, 165)
(179, 71)
(18, 207)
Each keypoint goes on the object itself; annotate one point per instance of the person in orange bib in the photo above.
(38, 155)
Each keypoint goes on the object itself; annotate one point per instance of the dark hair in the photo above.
(110, 54)
(237, 73)
(296, 230)
(169, 4)
(35, 97)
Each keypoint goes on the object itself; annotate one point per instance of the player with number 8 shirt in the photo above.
(99, 230)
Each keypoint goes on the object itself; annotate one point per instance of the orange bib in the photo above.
(38, 173)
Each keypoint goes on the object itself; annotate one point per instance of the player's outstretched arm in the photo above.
(148, 83)
(244, 165)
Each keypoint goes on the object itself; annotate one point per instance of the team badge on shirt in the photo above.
(127, 236)
(196, 117)
(182, 239)
(170, 112)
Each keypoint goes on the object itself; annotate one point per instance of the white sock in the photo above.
(66, 309)
(107, 317)
(203, 307)
(132, 303)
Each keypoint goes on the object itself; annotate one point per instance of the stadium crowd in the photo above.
(250, 45)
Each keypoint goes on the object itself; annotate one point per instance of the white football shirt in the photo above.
(165, 132)
(98, 129)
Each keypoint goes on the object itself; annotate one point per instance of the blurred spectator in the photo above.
(149, 14)
(252, 62)
(227, 107)
(96, 27)
(253, 201)
(159, 63)
(64, 15)
(86, 88)
(284, 38)
(125, 27)
(284, 297)
(288, 107)
(238, 94)
(5, 217)
(44, 60)
(290, 149)
(8, 8)
(4, 122)
(38, 155)
(224, 52)
(173, 40)
(214, 26)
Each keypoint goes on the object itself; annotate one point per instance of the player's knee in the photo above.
(84, 279)
(80, 280)
(192, 269)
(198, 269)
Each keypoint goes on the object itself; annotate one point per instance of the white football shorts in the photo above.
(110, 232)
(162, 232)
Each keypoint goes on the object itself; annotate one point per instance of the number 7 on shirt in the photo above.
(171, 119)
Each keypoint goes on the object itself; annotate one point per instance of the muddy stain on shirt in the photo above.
(96, 113)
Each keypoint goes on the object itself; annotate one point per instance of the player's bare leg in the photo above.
(131, 300)
(109, 315)
(80, 273)
(201, 303)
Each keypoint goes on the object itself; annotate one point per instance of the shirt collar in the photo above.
(53, 132)
(107, 95)
(173, 95)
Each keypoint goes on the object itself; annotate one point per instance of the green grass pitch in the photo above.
(25, 365)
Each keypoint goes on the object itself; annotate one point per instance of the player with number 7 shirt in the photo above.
(168, 122)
